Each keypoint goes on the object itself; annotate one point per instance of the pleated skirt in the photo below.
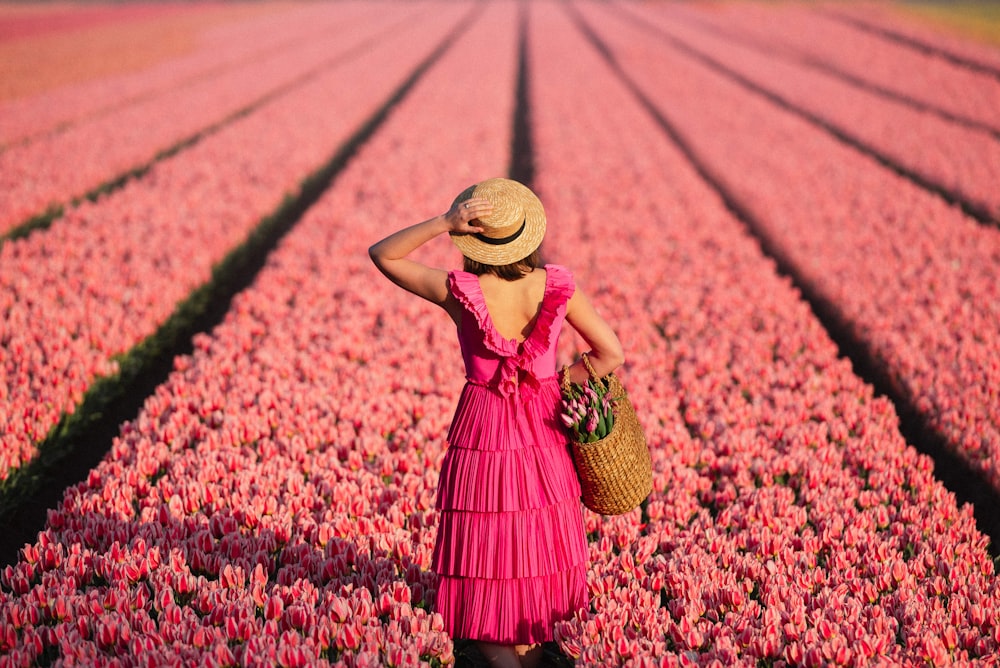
(511, 550)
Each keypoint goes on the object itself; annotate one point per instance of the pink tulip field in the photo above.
(138, 251)
(223, 49)
(821, 42)
(763, 218)
(936, 150)
(878, 229)
(36, 175)
(876, 20)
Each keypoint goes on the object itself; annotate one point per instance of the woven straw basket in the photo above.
(615, 472)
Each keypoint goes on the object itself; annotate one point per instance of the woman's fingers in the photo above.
(477, 207)
(465, 214)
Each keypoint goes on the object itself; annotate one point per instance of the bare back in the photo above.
(514, 305)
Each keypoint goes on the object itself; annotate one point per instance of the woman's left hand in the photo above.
(460, 216)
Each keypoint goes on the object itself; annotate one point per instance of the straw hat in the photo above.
(512, 232)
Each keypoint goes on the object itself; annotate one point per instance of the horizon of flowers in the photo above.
(37, 174)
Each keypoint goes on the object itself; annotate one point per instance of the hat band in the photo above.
(504, 240)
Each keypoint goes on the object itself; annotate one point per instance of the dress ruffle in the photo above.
(465, 286)
(522, 611)
(559, 287)
(506, 480)
(517, 544)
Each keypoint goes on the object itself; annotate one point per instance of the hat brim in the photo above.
(512, 202)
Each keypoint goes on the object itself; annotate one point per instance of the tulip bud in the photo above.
(273, 608)
(340, 610)
(349, 637)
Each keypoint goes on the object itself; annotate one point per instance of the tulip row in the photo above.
(789, 520)
(896, 26)
(25, 21)
(37, 175)
(216, 48)
(937, 151)
(273, 503)
(820, 41)
(44, 47)
(911, 278)
(101, 280)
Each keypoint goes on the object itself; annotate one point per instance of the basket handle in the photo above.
(590, 369)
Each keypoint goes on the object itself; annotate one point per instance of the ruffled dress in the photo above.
(511, 550)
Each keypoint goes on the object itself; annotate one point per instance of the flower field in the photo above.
(911, 137)
(141, 249)
(272, 503)
(171, 111)
(66, 48)
(878, 229)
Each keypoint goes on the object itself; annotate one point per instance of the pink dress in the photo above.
(511, 551)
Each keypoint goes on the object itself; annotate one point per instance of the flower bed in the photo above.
(801, 34)
(223, 40)
(915, 33)
(38, 175)
(109, 273)
(936, 150)
(898, 266)
(46, 47)
(273, 503)
(789, 520)
(20, 22)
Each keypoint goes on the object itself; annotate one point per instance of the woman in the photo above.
(511, 550)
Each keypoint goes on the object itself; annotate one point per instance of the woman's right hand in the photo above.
(460, 217)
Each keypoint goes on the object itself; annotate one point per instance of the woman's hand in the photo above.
(461, 216)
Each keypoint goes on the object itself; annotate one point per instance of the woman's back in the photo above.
(514, 305)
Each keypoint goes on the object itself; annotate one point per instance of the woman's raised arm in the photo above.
(390, 254)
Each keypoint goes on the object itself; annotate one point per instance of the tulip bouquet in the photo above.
(588, 411)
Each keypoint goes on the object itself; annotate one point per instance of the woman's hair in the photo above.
(508, 272)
